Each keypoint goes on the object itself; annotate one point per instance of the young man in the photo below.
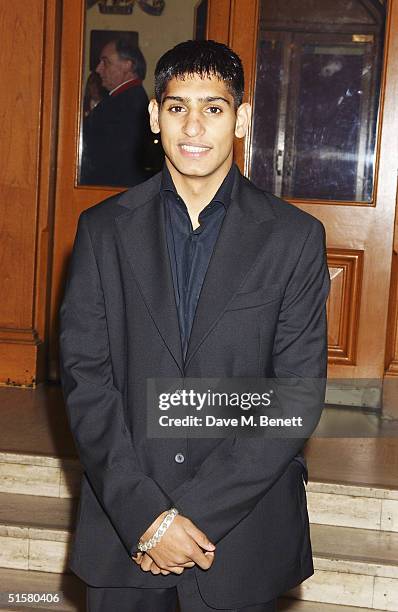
(195, 273)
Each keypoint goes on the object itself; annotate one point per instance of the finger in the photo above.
(210, 556)
(200, 538)
(164, 572)
(198, 556)
(155, 570)
(177, 569)
(177, 563)
(146, 563)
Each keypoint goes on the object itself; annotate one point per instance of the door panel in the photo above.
(359, 232)
(323, 136)
(320, 91)
(71, 197)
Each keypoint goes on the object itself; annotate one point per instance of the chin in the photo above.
(194, 169)
(196, 172)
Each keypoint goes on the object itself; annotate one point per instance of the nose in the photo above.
(193, 125)
(98, 68)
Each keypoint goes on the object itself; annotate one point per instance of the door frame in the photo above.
(71, 198)
(373, 224)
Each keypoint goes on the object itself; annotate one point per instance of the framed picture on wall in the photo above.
(106, 23)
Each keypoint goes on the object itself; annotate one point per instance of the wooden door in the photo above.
(359, 225)
(360, 230)
(71, 197)
(298, 134)
(30, 34)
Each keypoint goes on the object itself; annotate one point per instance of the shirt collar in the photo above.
(125, 85)
(223, 194)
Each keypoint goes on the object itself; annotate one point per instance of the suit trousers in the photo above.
(185, 597)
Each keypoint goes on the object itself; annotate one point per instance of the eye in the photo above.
(176, 109)
(214, 110)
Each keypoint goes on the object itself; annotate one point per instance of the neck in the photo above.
(198, 191)
(126, 80)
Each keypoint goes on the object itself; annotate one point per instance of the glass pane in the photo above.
(116, 146)
(316, 98)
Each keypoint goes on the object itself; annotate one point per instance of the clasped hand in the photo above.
(182, 545)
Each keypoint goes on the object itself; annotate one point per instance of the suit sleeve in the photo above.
(94, 405)
(235, 476)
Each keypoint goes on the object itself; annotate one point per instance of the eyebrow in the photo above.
(201, 100)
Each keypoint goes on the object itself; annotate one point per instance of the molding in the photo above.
(392, 370)
(19, 336)
(344, 304)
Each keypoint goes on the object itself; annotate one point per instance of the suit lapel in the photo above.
(142, 231)
(244, 232)
(247, 224)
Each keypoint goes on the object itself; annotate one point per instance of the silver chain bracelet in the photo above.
(164, 525)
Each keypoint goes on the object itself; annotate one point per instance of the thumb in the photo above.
(200, 538)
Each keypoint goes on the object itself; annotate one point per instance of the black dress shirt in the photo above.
(190, 249)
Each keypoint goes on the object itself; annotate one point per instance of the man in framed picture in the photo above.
(116, 131)
(195, 273)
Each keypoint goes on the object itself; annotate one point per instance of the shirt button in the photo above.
(179, 458)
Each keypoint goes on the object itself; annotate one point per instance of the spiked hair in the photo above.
(205, 58)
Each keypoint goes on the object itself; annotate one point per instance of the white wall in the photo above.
(155, 34)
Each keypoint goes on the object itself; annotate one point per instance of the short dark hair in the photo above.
(127, 50)
(202, 57)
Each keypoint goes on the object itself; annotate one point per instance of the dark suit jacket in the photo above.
(261, 313)
(115, 136)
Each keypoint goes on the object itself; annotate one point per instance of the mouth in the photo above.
(193, 150)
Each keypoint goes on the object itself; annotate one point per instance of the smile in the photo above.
(194, 149)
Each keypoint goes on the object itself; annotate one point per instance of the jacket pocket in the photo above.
(303, 463)
(258, 297)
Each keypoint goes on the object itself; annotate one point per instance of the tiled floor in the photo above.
(73, 593)
(368, 461)
(34, 421)
(349, 446)
(37, 511)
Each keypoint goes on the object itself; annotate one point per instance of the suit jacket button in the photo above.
(179, 458)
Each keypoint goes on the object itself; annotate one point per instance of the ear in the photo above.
(153, 109)
(242, 123)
